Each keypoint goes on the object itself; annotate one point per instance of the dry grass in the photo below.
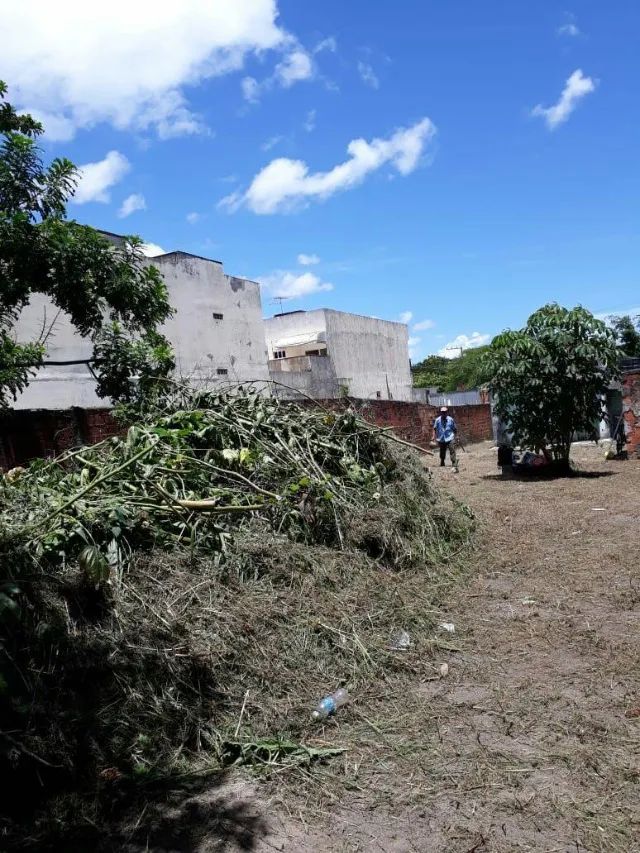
(526, 746)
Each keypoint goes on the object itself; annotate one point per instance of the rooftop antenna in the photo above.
(278, 300)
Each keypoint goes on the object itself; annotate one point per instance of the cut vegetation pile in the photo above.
(176, 600)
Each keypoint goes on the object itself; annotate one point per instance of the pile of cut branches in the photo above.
(193, 477)
(179, 596)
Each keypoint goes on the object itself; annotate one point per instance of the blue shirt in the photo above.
(445, 430)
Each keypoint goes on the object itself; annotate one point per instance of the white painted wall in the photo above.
(367, 355)
(370, 355)
(197, 288)
(296, 323)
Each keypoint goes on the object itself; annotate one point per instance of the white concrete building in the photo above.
(216, 333)
(326, 353)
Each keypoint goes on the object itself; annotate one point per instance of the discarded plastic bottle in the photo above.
(330, 704)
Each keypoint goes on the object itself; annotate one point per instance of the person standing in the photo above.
(444, 432)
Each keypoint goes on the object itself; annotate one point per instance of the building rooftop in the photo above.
(335, 311)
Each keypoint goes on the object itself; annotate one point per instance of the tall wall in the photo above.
(311, 375)
(370, 356)
(198, 289)
(207, 350)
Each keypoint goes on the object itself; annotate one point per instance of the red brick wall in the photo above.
(631, 411)
(26, 435)
(414, 421)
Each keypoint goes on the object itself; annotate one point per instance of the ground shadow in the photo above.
(186, 816)
(548, 475)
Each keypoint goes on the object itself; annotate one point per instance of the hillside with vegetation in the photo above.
(463, 373)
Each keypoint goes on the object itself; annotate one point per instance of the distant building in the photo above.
(326, 353)
(216, 333)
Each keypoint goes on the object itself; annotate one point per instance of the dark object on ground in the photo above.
(505, 456)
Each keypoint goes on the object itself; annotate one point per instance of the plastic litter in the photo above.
(330, 704)
(448, 626)
(400, 641)
(444, 670)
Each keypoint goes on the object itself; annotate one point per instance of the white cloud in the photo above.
(96, 179)
(132, 202)
(310, 121)
(463, 342)
(627, 312)
(151, 250)
(290, 285)
(568, 29)
(129, 63)
(285, 184)
(271, 143)
(308, 260)
(368, 75)
(423, 325)
(329, 44)
(406, 316)
(414, 347)
(576, 87)
(250, 89)
(297, 65)
(193, 217)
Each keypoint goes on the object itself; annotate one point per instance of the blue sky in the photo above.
(498, 167)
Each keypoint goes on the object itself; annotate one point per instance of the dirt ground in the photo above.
(532, 740)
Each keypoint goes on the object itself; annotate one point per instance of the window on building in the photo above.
(222, 371)
(312, 352)
(218, 316)
(280, 353)
(379, 394)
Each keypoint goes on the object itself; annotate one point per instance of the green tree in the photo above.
(112, 297)
(468, 371)
(452, 374)
(431, 372)
(547, 378)
(627, 334)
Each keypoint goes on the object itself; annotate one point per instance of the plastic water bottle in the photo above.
(330, 704)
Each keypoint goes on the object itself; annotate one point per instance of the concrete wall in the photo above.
(311, 323)
(198, 288)
(313, 375)
(369, 357)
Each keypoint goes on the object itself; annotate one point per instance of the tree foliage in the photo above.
(452, 374)
(627, 331)
(546, 378)
(100, 286)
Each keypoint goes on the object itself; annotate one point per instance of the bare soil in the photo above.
(532, 740)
